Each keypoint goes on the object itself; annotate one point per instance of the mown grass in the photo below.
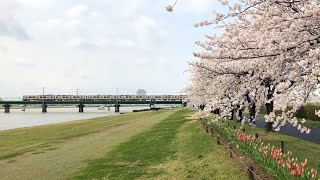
(19, 141)
(301, 149)
(172, 149)
(199, 157)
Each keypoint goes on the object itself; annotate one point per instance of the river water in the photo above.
(33, 117)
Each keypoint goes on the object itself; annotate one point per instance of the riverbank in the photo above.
(156, 144)
(60, 150)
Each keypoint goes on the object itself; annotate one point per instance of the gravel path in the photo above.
(62, 161)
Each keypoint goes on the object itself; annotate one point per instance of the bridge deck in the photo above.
(86, 102)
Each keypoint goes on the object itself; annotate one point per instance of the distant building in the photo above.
(141, 92)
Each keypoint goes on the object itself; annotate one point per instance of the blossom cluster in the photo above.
(268, 55)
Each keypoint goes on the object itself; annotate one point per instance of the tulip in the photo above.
(288, 165)
(299, 172)
(261, 150)
(274, 156)
(267, 154)
(281, 161)
(312, 170)
(312, 175)
(293, 172)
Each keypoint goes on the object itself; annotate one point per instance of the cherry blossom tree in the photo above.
(268, 55)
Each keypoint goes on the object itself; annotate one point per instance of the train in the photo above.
(104, 98)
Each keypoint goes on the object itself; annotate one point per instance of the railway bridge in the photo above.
(81, 104)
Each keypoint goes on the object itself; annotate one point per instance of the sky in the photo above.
(98, 44)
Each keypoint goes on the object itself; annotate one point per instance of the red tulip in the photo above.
(261, 150)
(304, 164)
(299, 172)
(274, 156)
(267, 154)
(312, 175)
(293, 172)
(288, 165)
(281, 161)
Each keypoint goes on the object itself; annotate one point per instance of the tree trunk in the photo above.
(268, 126)
(232, 114)
(252, 112)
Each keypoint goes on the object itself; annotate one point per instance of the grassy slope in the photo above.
(16, 142)
(172, 149)
(64, 159)
(300, 148)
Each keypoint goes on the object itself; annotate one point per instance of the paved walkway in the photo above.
(289, 130)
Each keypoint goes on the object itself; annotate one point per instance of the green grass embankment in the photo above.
(19, 141)
(57, 151)
(175, 148)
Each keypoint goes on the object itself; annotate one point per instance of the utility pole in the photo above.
(43, 95)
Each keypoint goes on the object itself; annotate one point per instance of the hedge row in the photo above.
(307, 111)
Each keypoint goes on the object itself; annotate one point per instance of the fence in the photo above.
(251, 174)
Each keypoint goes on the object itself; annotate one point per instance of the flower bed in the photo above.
(282, 165)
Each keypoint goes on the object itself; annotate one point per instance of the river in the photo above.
(33, 117)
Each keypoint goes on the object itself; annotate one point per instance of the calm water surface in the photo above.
(33, 117)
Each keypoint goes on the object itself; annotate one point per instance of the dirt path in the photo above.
(63, 160)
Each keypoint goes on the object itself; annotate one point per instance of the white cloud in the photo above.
(24, 63)
(9, 25)
(34, 3)
(97, 39)
(148, 31)
(77, 10)
(81, 43)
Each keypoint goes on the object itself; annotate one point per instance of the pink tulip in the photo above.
(293, 172)
(261, 150)
(281, 161)
(288, 165)
(274, 156)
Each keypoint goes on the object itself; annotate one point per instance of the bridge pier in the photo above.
(185, 104)
(23, 108)
(44, 108)
(7, 108)
(81, 106)
(117, 108)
